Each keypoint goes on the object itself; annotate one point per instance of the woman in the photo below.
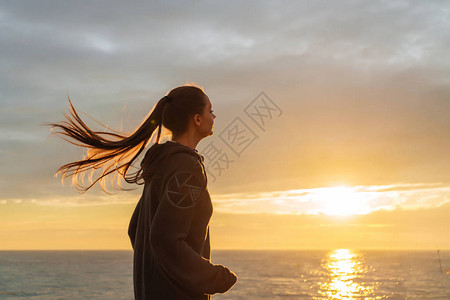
(169, 229)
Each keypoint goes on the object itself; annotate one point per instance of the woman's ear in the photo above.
(197, 119)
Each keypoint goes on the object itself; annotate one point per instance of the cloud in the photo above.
(336, 200)
(368, 80)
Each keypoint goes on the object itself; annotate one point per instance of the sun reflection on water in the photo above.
(345, 277)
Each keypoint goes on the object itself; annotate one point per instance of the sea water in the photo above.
(292, 274)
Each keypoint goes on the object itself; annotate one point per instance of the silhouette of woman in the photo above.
(169, 228)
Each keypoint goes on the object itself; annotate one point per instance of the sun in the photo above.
(341, 201)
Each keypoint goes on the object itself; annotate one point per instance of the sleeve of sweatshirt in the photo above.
(183, 189)
(133, 223)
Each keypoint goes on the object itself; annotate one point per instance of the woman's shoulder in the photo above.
(185, 181)
(187, 163)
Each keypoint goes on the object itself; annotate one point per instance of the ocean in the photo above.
(281, 274)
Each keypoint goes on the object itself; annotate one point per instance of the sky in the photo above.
(344, 106)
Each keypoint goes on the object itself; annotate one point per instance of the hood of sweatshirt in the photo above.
(158, 153)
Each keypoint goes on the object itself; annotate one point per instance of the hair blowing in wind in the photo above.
(113, 152)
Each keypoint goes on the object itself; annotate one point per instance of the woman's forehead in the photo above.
(208, 102)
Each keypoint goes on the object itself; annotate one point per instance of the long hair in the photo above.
(114, 152)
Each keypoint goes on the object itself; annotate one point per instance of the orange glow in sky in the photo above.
(353, 154)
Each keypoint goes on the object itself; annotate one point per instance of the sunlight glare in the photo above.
(345, 271)
(341, 201)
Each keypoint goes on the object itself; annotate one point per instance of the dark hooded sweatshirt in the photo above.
(169, 229)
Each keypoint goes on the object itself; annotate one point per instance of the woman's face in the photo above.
(207, 119)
